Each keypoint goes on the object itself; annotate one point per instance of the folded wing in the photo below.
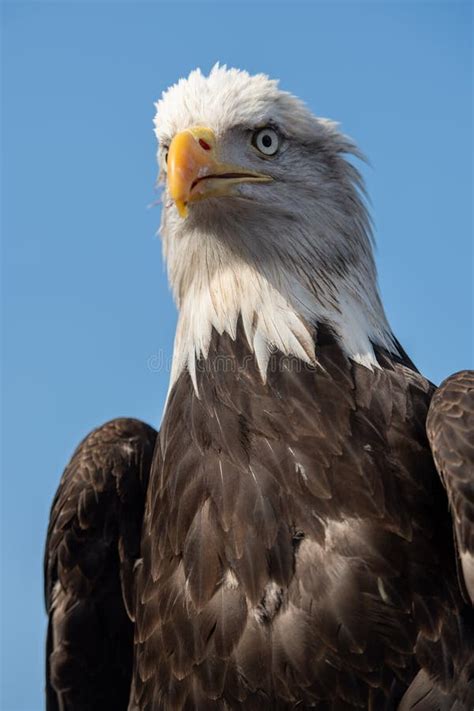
(450, 427)
(92, 545)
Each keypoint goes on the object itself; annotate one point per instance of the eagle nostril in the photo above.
(204, 144)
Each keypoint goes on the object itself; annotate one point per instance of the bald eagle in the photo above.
(286, 540)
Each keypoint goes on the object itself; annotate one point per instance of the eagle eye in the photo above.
(266, 140)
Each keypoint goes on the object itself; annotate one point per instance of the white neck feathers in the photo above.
(273, 318)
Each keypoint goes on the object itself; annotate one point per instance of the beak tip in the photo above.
(182, 208)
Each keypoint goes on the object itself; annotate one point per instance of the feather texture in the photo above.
(450, 429)
(304, 556)
(92, 545)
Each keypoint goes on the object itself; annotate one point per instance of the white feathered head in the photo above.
(263, 214)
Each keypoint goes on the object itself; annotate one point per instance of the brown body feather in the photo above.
(297, 548)
(450, 427)
(93, 542)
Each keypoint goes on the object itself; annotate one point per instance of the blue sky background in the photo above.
(87, 307)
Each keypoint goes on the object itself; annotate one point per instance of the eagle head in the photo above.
(263, 213)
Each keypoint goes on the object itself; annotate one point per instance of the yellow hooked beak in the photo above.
(195, 173)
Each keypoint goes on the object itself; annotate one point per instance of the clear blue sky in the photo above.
(87, 307)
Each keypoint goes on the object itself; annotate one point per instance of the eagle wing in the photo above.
(92, 544)
(450, 427)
